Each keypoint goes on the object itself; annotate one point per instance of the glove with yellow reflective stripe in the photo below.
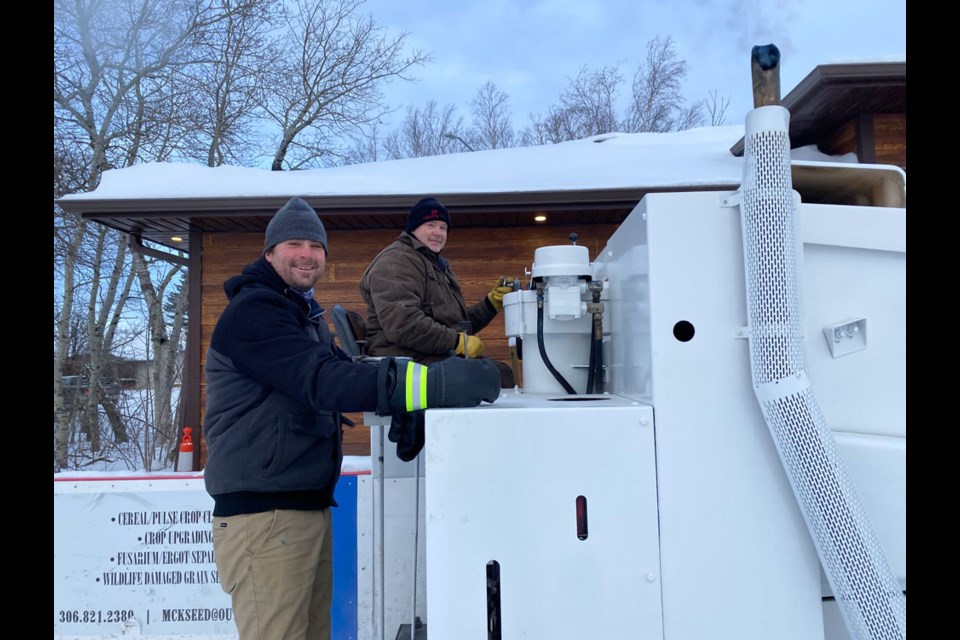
(406, 389)
(406, 386)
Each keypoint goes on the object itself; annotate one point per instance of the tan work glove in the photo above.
(473, 347)
(504, 286)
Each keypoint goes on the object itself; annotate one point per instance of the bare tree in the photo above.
(165, 342)
(116, 102)
(363, 148)
(223, 115)
(430, 131)
(111, 70)
(590, 101)
(657, 103)
(326, 84)
(587, 107)
(716, 108)
(491, 118)
(550, 129)
(690, 116)
(108, 288)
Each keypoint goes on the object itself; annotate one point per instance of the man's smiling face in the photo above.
(298, 262)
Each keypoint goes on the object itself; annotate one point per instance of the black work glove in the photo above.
(407, 431)
(406, 386)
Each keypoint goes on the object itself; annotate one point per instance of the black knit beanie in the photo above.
(425, 210)
(295, 220)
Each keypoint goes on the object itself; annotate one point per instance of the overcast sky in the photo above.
(530, 48)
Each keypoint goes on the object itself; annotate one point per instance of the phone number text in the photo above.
(96, 617)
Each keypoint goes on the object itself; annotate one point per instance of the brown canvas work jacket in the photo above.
(414, 303)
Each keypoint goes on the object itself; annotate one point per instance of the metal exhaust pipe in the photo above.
(868, 594)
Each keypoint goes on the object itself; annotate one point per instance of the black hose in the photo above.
(597, 366)
(595, 362)
(590, 368)
(543, 350)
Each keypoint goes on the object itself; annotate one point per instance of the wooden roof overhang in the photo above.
(160, 220)
(833, 94)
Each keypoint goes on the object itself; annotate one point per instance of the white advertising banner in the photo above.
(135, 557)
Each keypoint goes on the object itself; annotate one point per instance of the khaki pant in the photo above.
(277, 567)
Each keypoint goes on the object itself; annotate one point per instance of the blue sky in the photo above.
(530, 48)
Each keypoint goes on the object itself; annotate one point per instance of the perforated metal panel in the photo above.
(868, 594)
(770, 254)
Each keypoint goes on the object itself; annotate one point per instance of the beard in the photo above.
(300, 275)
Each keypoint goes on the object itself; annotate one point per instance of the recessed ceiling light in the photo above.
(540, 218)
(176, 238)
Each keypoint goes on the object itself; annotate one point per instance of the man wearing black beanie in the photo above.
(426, 210)
(415, 307)
(276, 386)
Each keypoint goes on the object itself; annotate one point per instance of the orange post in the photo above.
(185, 459)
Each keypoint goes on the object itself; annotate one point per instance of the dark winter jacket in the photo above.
(414, 303)
(276, 384)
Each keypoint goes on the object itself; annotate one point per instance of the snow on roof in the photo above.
(691, 158)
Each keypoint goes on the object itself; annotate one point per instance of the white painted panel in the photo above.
(502, 484)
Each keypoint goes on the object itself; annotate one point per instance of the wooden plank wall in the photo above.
(841, 141)
(479, 256)
(890, 138)
(885, 133)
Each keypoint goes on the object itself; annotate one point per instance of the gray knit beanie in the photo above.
(295, 220)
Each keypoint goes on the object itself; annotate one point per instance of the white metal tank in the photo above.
(562, 275)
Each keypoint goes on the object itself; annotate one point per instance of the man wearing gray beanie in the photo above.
(277, 386)
(295, 220)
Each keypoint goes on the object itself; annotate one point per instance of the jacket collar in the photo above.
(261, 273)
(435, 258)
